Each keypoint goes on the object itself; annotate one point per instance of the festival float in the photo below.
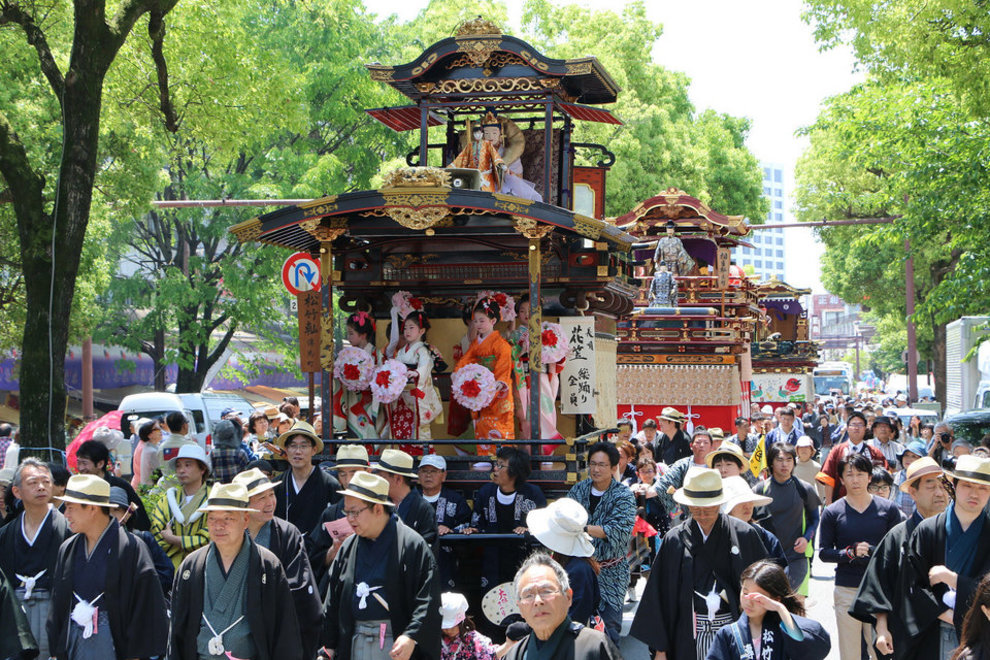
(492, 207)
(686, 344)
(782, 355)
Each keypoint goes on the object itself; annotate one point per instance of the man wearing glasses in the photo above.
(544, 597)
(305, 490)
(829, 476)
(383, 600)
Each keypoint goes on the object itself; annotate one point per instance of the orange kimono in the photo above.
(495, 354)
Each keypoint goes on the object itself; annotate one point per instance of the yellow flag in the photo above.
(758, 461)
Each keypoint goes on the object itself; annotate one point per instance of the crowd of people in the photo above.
(238, 556)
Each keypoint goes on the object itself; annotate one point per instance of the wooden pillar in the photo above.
(535, 232)
(87, 379)
(326, 338)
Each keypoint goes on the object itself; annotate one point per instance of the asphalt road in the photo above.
(819, 608)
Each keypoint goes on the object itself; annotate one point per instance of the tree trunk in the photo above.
(159, 360)
(50, 279)
(938, 359)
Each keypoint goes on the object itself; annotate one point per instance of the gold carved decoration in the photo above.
(321, 206)
(511, 203)
(413, 198)
(418, 219)
(531, 228)
(315, 228)
(326, 341)
(488, 85)
(477, 26)
(417, 177)
(381, 74)
(478, 50)
(400, 261)
(587, 227)
(532, 59)
(427, 63)
(579, 67)
(247, 231)
(496, 60)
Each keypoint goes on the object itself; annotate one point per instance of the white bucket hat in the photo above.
(453, 609)
(737, 492)
(560, 527)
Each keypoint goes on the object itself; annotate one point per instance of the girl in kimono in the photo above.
(491, 351)
(461, 641)
(357, 413)
(772, 625)
(459, 417)
(419, 404)
(549, 380)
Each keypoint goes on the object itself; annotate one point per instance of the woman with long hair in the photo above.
(772, 625)
(419, 405)
(975, 641)
(357, 413)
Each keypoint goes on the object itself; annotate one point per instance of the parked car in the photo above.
(202, 409)
(971, 425)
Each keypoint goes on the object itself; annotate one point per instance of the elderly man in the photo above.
(673, 478)
(29, 545)
(231, 598)
(321, 545)
(106, 600)
(886, 586)
(177, 521)
(286, 543)
(611, 515)
(544, 597)
(305, 490)
(694, 587)
(383, 601)
(396, 467)
(949, 553)
(452, 510)
(883, 440)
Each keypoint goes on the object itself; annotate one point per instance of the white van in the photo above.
(201, 409)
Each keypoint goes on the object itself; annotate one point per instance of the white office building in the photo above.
(766, 259)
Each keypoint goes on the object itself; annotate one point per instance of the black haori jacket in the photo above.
(271, 613)
(132, 598)
(412, 591)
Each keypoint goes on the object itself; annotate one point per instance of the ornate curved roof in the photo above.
(684, 210)
(480, 59)
(774, 288)
(418, 202)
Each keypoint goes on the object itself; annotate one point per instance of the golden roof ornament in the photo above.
(477, 26)
(417, 177)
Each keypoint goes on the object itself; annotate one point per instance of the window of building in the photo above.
(778, 204)
(778, 176)
(779, 217)
(766, 191)
(778, 192)
(758, 263)
(766, 173)
(780, 265)
(746, 262)
(780, 254)
(780, 240)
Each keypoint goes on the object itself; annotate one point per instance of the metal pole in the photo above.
(857, 358)
(87, 379)
(912, 339)
(424, 135)
(548, 153)
(830, 223)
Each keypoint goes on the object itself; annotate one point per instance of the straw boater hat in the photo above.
(727, 448)
(672, 415)
(368, 487)
(560, 527)
(195, 452)
(715, 433)
(702, 487)
(254, 481)
(351, 456)
(453, 609)
(300, 428)
(396, 462)
(969, 468)
(228, 497)
(87, 489)
(922, 467)
(737, 492)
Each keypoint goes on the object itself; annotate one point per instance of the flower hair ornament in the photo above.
(361, 318)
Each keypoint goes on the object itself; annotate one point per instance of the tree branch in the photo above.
(156, 30)
(26, 186)
(10, 12)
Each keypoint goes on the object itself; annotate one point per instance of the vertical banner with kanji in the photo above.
(577, 380)
(309, 331)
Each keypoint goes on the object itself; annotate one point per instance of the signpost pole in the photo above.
(326, 337)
